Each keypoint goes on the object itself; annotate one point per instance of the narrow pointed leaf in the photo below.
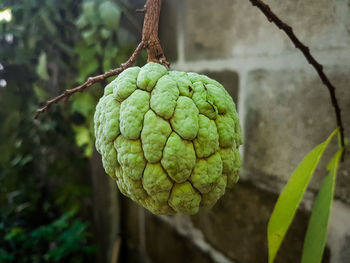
(291, 196)
(316, 234)
(41, 68)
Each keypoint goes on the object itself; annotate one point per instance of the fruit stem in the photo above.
(150, 32)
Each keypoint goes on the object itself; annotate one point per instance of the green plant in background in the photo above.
(38, 182)
(104, 45)
(44, 50)
(290, 198)
(64, 239)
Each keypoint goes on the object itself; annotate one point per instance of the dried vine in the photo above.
(149, 41)
(273, 18)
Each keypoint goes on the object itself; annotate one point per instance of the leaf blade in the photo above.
(316, 234)
(41, 68)
(291, 197)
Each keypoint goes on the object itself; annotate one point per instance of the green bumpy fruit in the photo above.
(170, 139)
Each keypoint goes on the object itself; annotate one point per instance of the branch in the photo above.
(305, 50)
(69, 92)
(149, 41)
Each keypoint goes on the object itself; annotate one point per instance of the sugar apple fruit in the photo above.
(170, 139)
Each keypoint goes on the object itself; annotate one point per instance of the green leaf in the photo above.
(81, 22)
(13, 233)
(90, 14)
(66, 48)
(316, 234)
(84, 104)
(5, 256)
(109, 57)
(89, 68)
(291, 196)
(105, 33)
(40, 93)
(41, 68)
(110, 14)
(47, 22)
(89, 36)
(84, 139)
(85, 53)
(62, 222)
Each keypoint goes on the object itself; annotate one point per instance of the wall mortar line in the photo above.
(289, 60)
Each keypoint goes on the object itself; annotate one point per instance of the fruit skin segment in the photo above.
(169, 139)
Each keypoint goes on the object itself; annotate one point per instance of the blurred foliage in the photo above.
(47, 47)
(104, 45)
(60, 241)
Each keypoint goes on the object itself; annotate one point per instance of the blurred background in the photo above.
(56, 202)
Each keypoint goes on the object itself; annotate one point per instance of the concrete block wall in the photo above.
(285, 111)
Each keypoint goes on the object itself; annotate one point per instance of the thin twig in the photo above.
(69, 92)
(143, 10)
(272, 17)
